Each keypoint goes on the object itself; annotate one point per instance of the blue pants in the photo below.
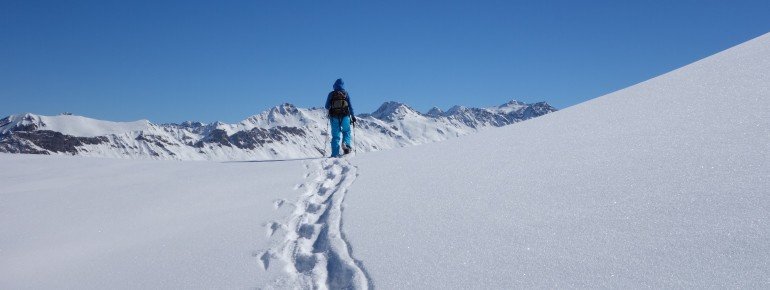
(339, 125)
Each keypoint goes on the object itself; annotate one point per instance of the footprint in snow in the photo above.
(264, 258)
(272, 227)
(306, 231)
(278, 203)
(313, 208)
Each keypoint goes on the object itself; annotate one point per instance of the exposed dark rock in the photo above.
(56, 141)
(250, 139)
(538, 109)
(5, 121)
(258, 137)
(25, 127)
(218, 136)
(154, 139)
(12, 144)
(291, 130)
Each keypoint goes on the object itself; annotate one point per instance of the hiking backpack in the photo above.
(339, 104)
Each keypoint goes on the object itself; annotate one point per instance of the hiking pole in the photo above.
(354, 137)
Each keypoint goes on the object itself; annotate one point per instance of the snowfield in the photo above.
(598, 195)
(660, 185)
(93, 223)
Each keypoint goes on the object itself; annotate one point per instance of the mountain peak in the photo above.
(20, 122)
(512, 103)
(285, 114)
(456, 109)
(510, 106)
(191, 124)
(435, 112)
(393, 110)
(541, 108)
(284, 109)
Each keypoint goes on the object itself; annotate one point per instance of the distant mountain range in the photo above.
(283, 131)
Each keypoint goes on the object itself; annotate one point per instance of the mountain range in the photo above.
(284, 131)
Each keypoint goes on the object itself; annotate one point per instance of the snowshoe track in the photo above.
(316, 253)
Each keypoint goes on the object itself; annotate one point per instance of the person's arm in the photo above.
(328, 101)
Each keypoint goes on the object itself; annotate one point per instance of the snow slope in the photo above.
(92, 223)
(664, 184)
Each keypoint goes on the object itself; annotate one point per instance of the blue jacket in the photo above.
(339, 85)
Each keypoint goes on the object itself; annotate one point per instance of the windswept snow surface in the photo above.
(92, 223)
(665, 184)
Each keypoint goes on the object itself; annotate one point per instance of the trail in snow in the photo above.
(315, 251)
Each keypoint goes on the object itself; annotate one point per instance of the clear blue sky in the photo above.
(170, 61)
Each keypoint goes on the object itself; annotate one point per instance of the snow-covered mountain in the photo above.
(284, 131)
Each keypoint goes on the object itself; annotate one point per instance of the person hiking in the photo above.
(340, 117)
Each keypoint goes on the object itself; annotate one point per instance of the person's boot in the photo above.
(345, 148)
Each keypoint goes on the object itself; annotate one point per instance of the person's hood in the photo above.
(339, 85)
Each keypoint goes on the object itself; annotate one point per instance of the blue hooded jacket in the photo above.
(339, 85)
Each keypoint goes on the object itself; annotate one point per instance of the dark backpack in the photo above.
(339, 104)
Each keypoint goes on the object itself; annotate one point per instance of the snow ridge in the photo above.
(315, 251)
